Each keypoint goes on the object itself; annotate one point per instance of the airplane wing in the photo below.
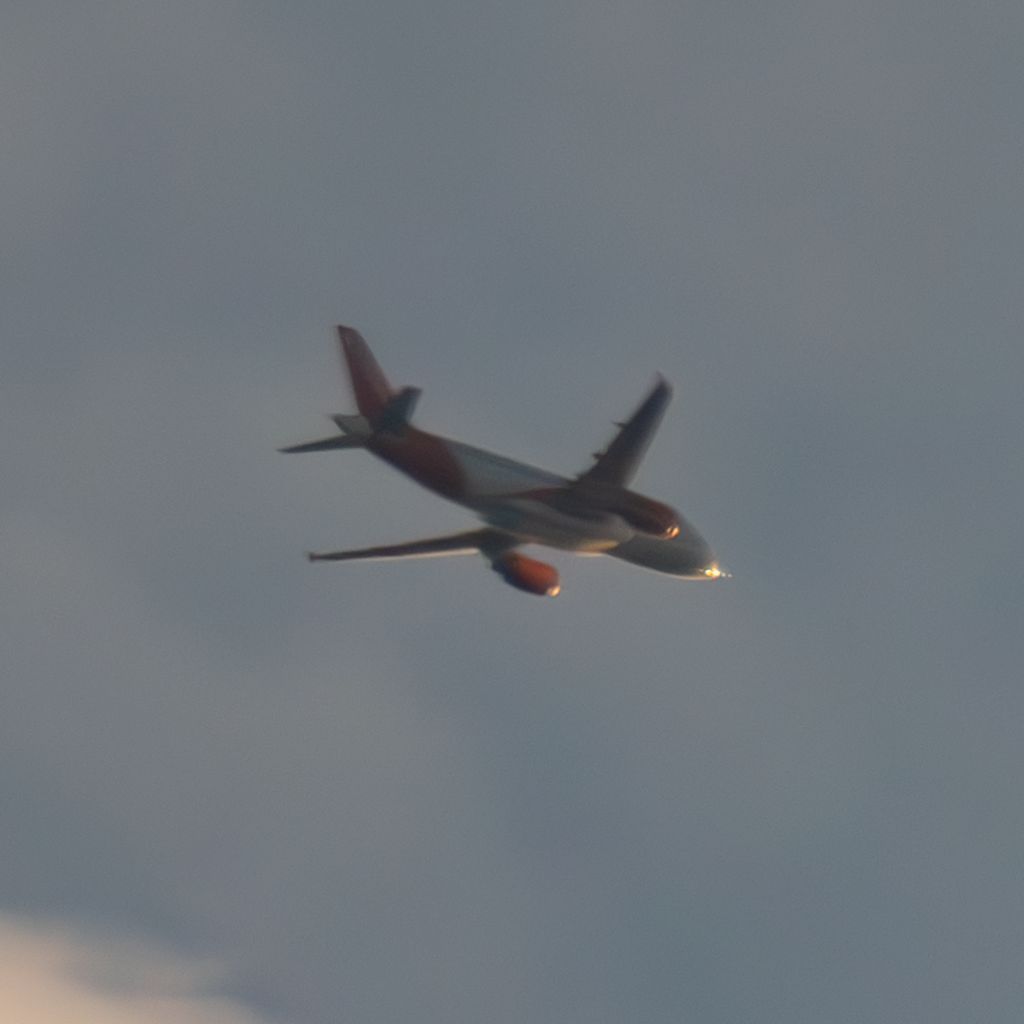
(619, 461)
(490, 542)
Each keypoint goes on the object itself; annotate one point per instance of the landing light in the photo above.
(673, 531)
(715, 572)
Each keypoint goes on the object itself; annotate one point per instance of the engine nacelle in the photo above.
(644, 514)
(527, 574)
(649, 516)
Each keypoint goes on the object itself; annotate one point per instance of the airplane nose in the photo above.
(707, 565)
(715, 572)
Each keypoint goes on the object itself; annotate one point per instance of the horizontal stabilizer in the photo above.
(394, 417)
(352, 424)
(328, 443)
(487, 541)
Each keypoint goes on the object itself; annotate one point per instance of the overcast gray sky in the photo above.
(237, 788)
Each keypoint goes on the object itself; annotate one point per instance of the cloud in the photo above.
(53, 974)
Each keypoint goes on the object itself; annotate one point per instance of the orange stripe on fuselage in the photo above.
(425, 457)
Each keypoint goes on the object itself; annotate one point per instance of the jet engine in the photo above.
(649, 516)
(527, 574)
(644, 514)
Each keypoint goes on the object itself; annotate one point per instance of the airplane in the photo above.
(592, 513)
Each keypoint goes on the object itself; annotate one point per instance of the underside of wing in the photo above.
(618, 463)
(526, 574)
(490, 542)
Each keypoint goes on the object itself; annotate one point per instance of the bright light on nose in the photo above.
(673, 531)
(716, 572)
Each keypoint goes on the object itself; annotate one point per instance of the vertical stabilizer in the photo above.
(372, 390)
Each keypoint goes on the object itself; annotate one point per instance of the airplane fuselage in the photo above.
(531, 504)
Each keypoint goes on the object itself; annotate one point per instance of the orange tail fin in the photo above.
(371, 387)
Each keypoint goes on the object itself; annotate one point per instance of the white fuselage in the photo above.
(497, 489)
(521, 500)
(494, 486)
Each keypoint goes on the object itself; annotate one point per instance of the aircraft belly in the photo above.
(539, 523)
(686, 555)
